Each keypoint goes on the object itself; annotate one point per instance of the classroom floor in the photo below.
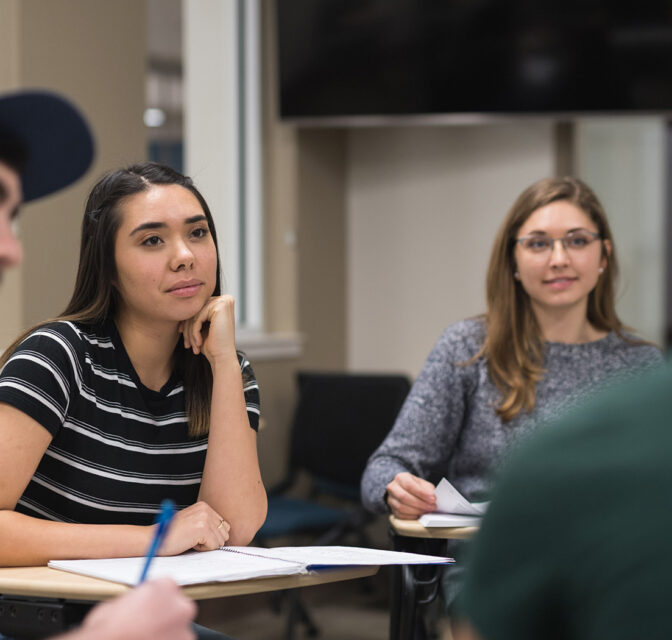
(353, 610)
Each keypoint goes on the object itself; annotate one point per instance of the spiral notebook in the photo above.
(241, 563)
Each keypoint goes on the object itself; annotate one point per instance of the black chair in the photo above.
(340, 419)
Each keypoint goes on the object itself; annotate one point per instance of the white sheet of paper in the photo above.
(188, 568)
(448, 520)
(450, 500)
(240, 563)
(334, 556)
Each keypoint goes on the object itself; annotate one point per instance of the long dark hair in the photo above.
(95, 299)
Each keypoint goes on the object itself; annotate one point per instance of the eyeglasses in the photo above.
(574, 241)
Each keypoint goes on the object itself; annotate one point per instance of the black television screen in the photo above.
(341, 58)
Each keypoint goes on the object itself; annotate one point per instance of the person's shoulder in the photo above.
(74, 336)
(616, 412)
(92, 334)
(635, 350)
(613, 435)
(465, 337)
(56, 331)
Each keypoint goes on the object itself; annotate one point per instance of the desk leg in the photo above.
(403, 606)
(408, 621)
(413, 587)
(298, 614)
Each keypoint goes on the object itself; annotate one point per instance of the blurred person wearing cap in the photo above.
(46, 145)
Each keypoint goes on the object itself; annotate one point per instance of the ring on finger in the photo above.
(221, 523)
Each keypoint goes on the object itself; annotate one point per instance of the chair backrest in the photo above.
(339, 421)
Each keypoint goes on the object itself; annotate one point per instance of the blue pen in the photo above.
(163, 524)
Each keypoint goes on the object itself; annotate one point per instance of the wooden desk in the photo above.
(54, 588)
(413, 529)
(416, 586)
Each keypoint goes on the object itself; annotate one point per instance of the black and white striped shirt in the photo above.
(118, 448)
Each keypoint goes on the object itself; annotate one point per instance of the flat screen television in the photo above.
(345, 58)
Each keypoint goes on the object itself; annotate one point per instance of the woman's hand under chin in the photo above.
(212, 330)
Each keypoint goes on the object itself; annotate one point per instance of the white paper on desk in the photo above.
(453, 509)
(448, 520)
(188, 568)
(240, 563)
(450, 500)
(342, 556)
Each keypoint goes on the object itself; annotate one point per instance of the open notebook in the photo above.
(240, 563)
(453, 509)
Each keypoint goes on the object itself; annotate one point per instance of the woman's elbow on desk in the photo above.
(244, 528)
(243, 508)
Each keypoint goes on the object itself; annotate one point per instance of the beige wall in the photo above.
(423, 206)
(304, 252)
(624, 160)
(94, 52)
(317, 267)
(280, 197)
(322, 245)
(276, 377)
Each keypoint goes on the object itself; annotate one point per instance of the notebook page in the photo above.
(341, 556)
(188, 568)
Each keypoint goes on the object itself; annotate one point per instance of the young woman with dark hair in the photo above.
(135, 393)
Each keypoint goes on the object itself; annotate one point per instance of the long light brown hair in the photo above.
(95, 299)
(514, 346)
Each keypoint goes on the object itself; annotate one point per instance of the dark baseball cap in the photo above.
(50, 138)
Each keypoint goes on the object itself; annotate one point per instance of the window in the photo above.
(222, 137)
(210, 94)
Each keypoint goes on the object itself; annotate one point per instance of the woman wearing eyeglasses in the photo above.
(550, 335)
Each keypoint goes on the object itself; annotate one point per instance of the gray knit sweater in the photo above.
(448, 425)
